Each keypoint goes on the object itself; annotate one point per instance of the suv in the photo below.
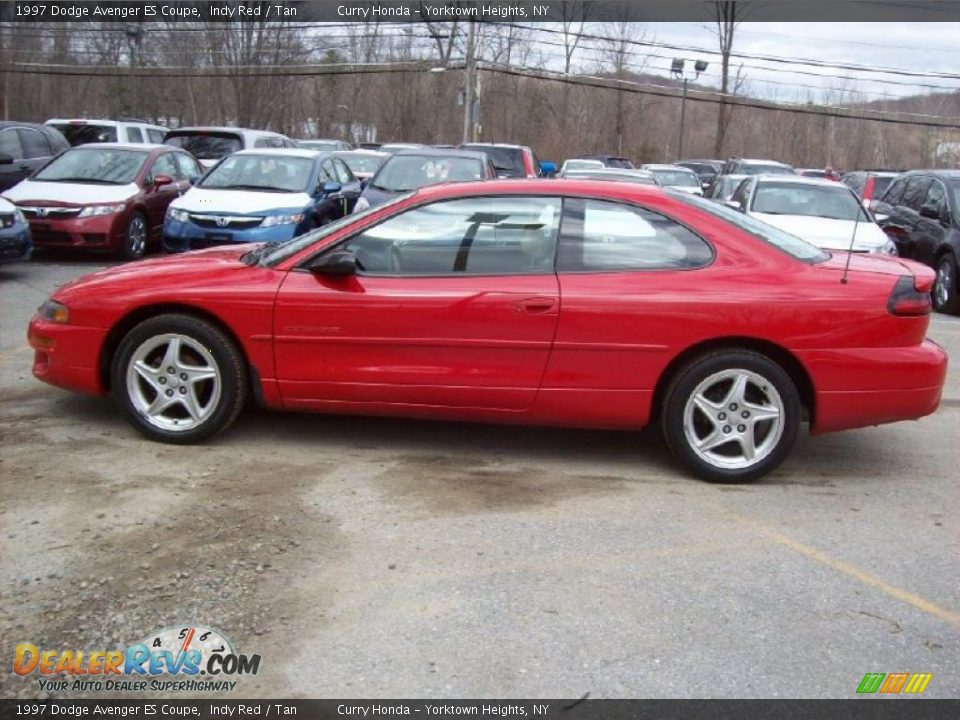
(126, 131)
(920, 212)
(210, 145)
(744, 166)
(24, 147)
(510, 161)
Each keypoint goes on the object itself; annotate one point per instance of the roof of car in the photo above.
(800, 180)
(361, 151)
(761, 161)
(938, 172)
(224, 129)
(104, 121)
(442, 153)
(511, 146)
(665, 166)
(284, 152)
(145, 147)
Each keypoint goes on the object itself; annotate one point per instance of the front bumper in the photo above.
(872, 386)
(67, 355)
(15, 244)
(94, 233)
(182, 236)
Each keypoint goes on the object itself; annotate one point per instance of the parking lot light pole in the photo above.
(469, 121)
(677, 70)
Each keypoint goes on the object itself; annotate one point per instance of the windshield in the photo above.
(271, 173)
(272, 254)
(786, 198)
(403, 173)
(205, 145)
(507, 161)
(677, 177)
(766, 170)
(790, 244)
(109, 166)
(365, 164)
(81, 134)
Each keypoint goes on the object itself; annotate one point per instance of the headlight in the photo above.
(54, 312)
(362, 204)
(889, 248)
(178, 215)
(272, 220)
(97, 210)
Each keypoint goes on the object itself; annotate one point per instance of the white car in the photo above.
(81, 131)
(825, 213)
(578, 164)
(209, 145)
(675, 176)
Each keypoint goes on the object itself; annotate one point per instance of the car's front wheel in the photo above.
(179, 379)
(731, 416)
(946, 299)
(135, 238)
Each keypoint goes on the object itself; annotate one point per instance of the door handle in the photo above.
(535, 305)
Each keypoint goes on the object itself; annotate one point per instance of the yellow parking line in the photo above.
(948, 616)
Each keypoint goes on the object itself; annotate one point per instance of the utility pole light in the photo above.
(677, 71)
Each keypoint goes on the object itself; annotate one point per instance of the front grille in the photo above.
(50, 212)
(52, 237)
(226, 222)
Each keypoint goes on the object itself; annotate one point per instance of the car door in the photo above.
(631, 288)
(158, 197)
(932, 223)
(454, 304)
(18, 168)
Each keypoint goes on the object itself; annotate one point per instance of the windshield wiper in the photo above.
(81, 180)
(253, 257)
(270, 188)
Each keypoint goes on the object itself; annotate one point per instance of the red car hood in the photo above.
(167, 272)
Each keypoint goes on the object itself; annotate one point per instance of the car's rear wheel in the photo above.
(179, 379)
(945, 297)
(731, 416)
(135, 238)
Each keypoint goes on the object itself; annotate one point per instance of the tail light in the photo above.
(907, 300)
(868, 188)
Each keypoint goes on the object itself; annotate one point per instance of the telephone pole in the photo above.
(468, 95)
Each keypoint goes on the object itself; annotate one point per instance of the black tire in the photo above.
(135, 237)
(712, 365)
(228, 361)
(945, 295)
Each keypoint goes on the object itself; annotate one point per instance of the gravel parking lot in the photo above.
(390, 558)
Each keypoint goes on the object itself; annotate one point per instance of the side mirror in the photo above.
(161, 180)
(548, 168)
(338, 262)
(930, 211)
(195, 179)
(330, 187)
(6, 159)
(364, 183)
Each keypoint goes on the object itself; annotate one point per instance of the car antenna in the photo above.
(853, 239)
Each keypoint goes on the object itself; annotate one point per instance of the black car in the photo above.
(612, 161)
(24, 147)
(747, 166)
(869, 184)
(921, 213)
(706, 170)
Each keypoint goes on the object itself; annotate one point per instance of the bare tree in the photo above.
(729, 14)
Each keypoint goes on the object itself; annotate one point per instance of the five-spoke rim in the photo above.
(173, 381)
(733, 419)
(137, 236)
(944, 281)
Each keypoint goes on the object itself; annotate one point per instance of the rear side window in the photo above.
(606, 236)
(134, 135)
(915, 192)
(936, 195)
(35, 144)
(154, 136)
(10, 144)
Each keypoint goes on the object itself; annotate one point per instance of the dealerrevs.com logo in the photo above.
(894, 683)
(170, 660)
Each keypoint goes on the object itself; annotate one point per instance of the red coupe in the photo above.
(579, 303)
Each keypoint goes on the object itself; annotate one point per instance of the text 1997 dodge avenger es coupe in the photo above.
(579, 303)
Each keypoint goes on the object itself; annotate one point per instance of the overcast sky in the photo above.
(917, 47)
